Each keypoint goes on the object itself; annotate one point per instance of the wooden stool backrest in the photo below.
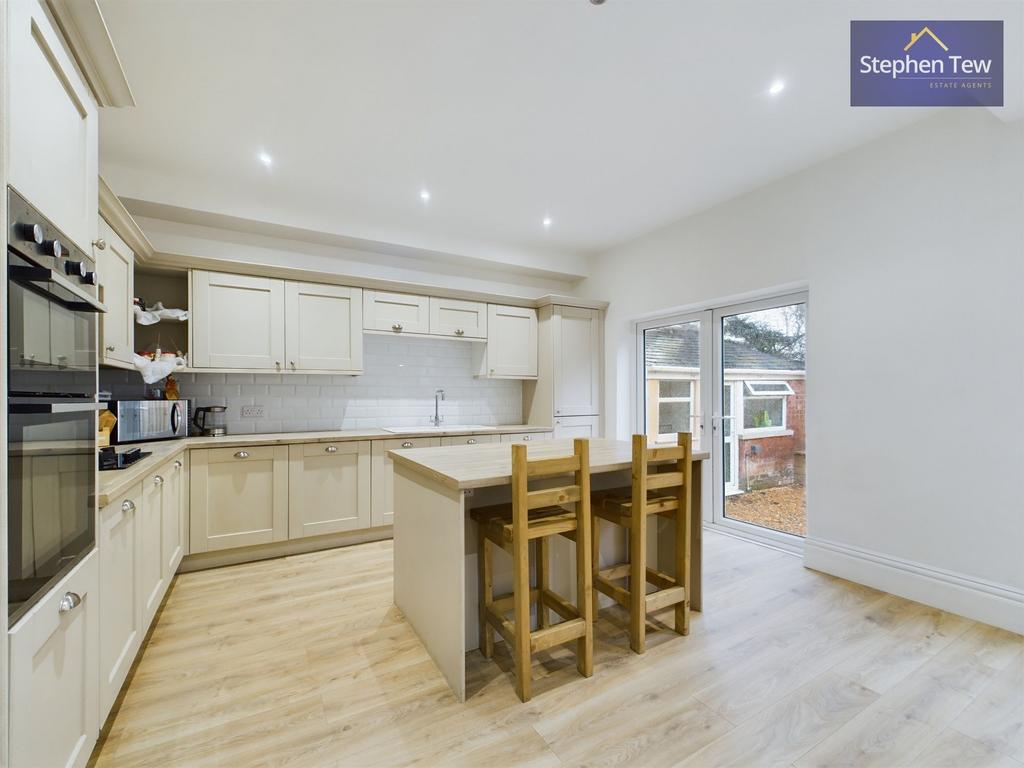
(646, 477)
(524, 500)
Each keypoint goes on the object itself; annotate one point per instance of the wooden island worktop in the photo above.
(435, 555)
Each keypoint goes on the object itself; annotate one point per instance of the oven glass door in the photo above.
(52, 479)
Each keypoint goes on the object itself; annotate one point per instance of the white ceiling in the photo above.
(613, 120)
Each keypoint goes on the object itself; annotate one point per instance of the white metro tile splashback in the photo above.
(397, 389)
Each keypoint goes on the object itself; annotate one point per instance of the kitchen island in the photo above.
(435, 555)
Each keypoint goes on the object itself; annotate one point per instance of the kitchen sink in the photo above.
(443, 428)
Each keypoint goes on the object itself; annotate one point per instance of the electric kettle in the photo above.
(210, 420)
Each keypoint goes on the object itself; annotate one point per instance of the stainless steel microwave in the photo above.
(140, 421)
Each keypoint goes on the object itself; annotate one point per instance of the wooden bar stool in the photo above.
(657, 489)
(534, 516)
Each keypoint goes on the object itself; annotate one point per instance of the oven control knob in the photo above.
(75, 268)
(53, 248)
(33, 233)
(89, 278)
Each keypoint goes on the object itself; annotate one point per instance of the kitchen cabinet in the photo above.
(120, 603)
(323, 327)
(577, 426)
(396, 312)
(238, 497)
(511, 349)
(237, 321)
(115, 268)
(525, 437)
(54, 674)
(459, 319)
(328, 488)
(469, 439)
(576, 364)
(382, 473)
(175, 517)
(52, 122)
(153, 577)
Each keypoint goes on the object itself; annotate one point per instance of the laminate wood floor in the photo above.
(303, 661)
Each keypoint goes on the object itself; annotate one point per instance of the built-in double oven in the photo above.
(52, 404)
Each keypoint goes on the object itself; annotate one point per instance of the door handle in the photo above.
(242, 455)
(407, 444)
(331, 449)
(69, 602)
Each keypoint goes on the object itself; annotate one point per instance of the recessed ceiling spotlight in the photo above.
(777, 87)
(425, 195)
(266, 159)
(546, 222)
(597, 2)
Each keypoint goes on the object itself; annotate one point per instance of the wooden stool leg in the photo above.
(585, 595)
(521, 602)
(484, 571)
(595, 562)
(638, 582)
(682, 610)
(543, 619)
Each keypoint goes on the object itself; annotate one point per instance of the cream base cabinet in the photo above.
(121, 627)
(175, 515)
(237, 321)
(54, 674)
(526, 437)
(115, 268)
(576, 347)
(152, 573)
(328, 488)
(469, 440)
(238, 497)
(323, 327)
(52, 123)
(396, 312)
(511, 349)
(577, 426)
(383, 475)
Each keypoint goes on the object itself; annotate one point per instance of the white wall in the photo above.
(913, 250)
(397, 389)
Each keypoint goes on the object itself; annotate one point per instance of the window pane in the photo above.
(673, 417)
(762, 412)
(767, 387)
(671, 388)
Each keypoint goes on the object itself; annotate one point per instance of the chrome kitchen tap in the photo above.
(438, 397)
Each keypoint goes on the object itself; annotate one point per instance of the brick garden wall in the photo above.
(769, 461)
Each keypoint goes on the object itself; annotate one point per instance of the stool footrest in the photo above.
(542, 639)
(664, 598)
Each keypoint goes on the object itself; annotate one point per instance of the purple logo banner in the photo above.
(926, 63)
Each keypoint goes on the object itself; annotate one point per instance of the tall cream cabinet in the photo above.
(328, 488)
(54, 674)
(511, 349)
(52, 123)
(115, 268)
(383, 474)
(567, 393)
(266, 324)
(238, 497)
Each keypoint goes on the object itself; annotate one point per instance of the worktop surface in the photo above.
(480, 466)
(113, 483)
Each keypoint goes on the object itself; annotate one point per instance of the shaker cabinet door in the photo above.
(577, 361)
(115, 268)
(328, 488)
(324, 327)
(237, 321)
(511, 342)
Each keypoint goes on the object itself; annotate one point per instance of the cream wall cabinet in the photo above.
(576, 367)
(115, 267)
(328, 488)
(577, 426)
(469, 439)
(383, 475)
(54, 674)
(237, 321)
(323, 327)
(458, 319)
(525, 437)
(511, 349)
(238, 497)
(52, 124)
(120, 602)
(396, 312)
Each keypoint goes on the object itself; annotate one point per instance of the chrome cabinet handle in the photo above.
(100, 243)
(407, 444)
(459, 332)
(471, 441)
(277, 364)
(127, 506)
(242, 455)
(331, 449)
(69, 602)
(158, 480)
(397, 327)
(178, 465)
(109, 348)
(292, 364)
(526, 438)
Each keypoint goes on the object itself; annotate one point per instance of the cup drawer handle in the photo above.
(407, 444)
(242, 455)
(69, 602)
(331, 449)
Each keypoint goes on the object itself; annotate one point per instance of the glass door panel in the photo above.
(672, 390)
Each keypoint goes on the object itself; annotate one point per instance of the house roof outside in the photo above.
(678, 346)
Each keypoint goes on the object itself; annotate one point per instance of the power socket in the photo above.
(253, 412)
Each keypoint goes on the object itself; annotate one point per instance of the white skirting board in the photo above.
(977, 599)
